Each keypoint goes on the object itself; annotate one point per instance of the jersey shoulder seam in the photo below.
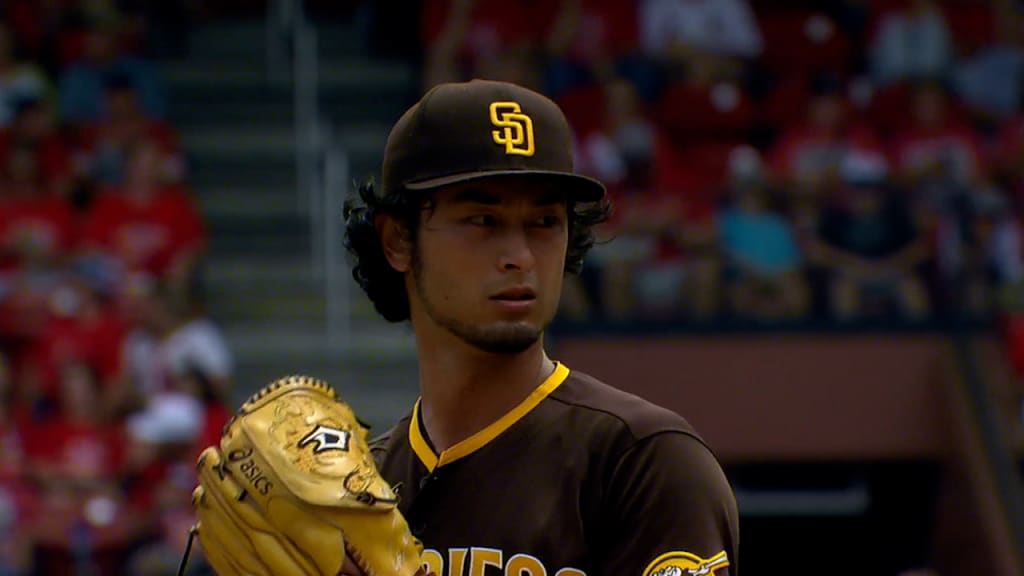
(622, 421)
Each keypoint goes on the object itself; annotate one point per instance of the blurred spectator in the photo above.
(106, 144)
(77, 458)
(706, 37)
(164, 439)
(991, 78)
(978, 251)
(1010, 161)
(35, 26)
(592, 41)
(490, 39)
(34, 126)
(806, 157)
(911, 43)
(620, 150)
(37, 228)
(16, 496)
(937, 153)
(762, 264)
(662, 263)
(148, 225)
(19, 81)
(870, 244)
(174, 346)
(78, 446)
(83, 327)
(82, 83)
(37, 232)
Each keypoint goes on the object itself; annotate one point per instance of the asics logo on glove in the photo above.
(326, 438)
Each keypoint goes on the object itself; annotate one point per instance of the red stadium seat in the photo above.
(694, 171)
(971, 23)
(801, 42)
(696, 112)
(584, 107)
(786, 104)
(888, 111)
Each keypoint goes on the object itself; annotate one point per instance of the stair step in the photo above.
(254, 142)
(246, 245)
(206, 172)
(188, 110)
(236, 201)
(275, 311)
(334, 76)
(229, 40)
(275, 343)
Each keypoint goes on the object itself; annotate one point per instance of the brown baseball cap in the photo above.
(481, 129)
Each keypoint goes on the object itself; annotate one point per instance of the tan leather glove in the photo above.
(293, 489)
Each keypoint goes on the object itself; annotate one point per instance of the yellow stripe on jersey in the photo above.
(466, 447)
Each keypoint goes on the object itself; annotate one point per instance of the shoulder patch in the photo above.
(686, 564)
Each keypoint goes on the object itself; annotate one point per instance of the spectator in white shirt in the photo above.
(911, 44)
(718, 27)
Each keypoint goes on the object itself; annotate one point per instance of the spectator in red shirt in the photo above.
(78, 448)
(147, 225)
(36, 228)
(936, 150)
(36, 234)
(77, 459)
(805, 159)
(84, 327)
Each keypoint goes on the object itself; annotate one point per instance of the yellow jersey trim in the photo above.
(480, 439)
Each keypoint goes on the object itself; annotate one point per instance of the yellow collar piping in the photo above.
(480, 439)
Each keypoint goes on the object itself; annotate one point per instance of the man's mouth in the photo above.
(515, 295)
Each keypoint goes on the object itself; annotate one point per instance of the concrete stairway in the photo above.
(237, 130)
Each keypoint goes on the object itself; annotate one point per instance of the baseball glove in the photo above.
(293, 489)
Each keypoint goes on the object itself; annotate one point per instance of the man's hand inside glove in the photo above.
(293, 489)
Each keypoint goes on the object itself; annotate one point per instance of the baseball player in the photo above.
(510, 462)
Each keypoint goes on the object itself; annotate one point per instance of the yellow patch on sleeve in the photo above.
(686, 564)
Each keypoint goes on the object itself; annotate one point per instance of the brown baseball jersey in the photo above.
(578, 479)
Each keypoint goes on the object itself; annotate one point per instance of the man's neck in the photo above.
(464, 389)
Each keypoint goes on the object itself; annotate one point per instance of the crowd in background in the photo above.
(776, 160)
(768, 161)
(111, 376)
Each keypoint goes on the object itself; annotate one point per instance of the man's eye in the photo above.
(548, 221)
(482, 220)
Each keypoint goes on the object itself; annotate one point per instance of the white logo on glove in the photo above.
(326, 438)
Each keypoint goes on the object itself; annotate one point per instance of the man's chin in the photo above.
(504, 338)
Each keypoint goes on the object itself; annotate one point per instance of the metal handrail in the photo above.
(998, 454)
(322, 164)
(337, 281)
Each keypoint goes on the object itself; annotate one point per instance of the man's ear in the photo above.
(395, 241)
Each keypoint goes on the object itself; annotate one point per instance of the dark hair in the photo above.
(384, 285)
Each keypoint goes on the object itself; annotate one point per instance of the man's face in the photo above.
(489, 261)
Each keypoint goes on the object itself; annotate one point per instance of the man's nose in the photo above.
(516, 252)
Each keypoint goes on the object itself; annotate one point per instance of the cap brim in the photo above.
(580, 188)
